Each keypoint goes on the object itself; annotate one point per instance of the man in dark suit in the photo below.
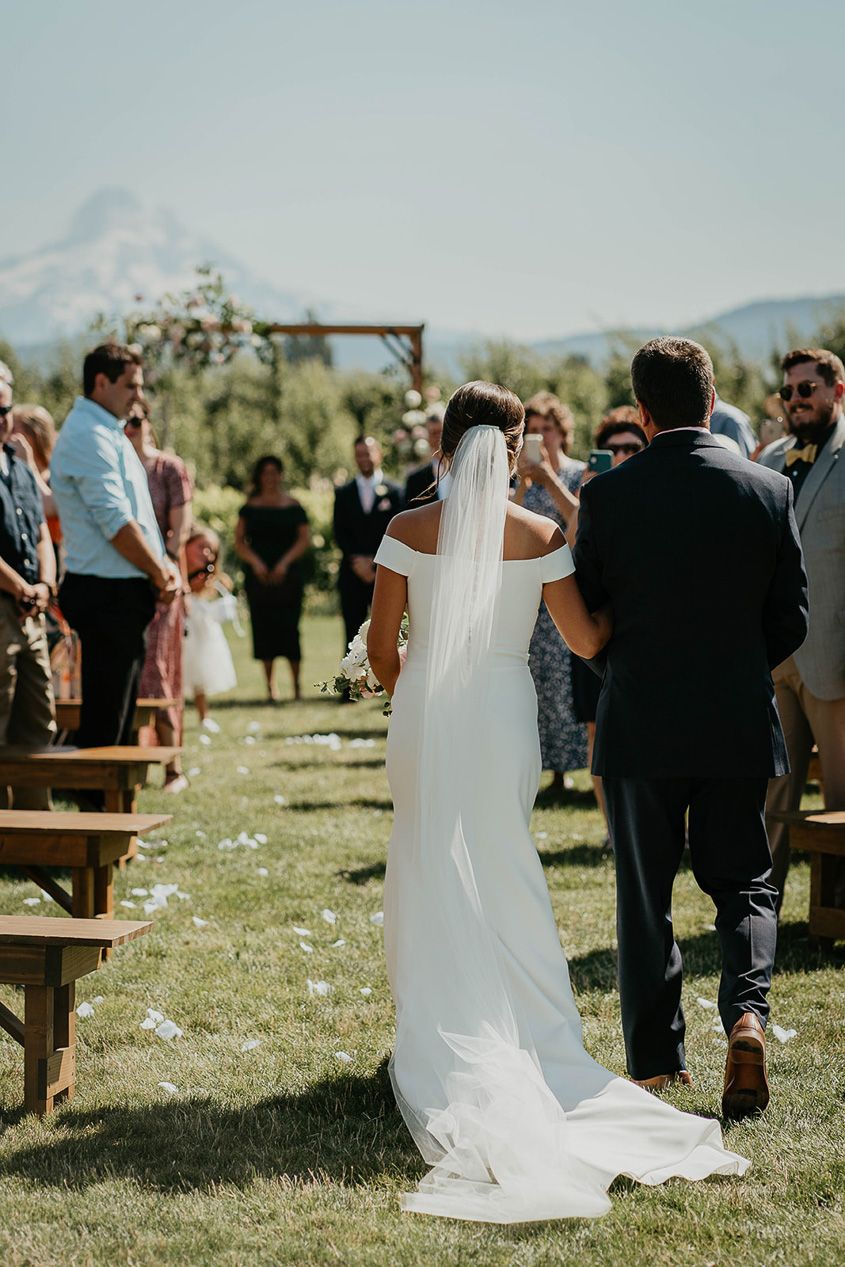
(686, 720)
(362, 510)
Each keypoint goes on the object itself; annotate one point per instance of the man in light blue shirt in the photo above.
(727, 420)
(116, 562)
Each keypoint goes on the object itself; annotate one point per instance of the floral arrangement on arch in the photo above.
(355, 676)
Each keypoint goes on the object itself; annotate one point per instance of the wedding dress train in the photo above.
(517, 1121)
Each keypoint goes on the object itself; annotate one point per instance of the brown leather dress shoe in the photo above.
(746, 1085)
(662, 1081)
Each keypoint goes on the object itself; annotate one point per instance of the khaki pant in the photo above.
(805, 719)
(27, 713)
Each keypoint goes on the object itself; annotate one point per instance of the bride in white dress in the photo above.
(517, 1121)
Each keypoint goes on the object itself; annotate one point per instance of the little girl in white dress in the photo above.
(208, 666)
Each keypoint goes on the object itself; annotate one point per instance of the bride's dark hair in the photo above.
(487, 404)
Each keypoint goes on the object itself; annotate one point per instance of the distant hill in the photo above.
(116, 250)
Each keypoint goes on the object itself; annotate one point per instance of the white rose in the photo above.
(364, 630)
(373, 683)
(413, 399)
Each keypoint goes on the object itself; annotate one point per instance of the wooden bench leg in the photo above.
(822, 894)
(83, 901)
(49, 1046)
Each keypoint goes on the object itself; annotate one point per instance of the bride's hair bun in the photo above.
(483, 404)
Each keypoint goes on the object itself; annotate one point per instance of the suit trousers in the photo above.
(805, 719)
(27, 713)
(111, 618)
(355, 599)
(731, 862)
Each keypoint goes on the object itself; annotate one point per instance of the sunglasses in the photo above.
(5, 410)
(628, 449)
(804, 390)
(135, 422)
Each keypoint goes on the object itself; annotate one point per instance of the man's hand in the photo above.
(363, 567)
(168, 582)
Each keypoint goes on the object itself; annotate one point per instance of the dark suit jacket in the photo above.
(357, 533)
(418, 482)
(698, 551)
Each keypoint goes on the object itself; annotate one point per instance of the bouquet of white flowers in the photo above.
(355, 677)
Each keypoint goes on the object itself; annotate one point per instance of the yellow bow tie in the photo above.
(807, 454)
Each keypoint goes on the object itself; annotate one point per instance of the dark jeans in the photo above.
(731, 862)
(111, 618)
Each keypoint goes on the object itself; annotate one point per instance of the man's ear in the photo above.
(713, 402)
(838, 390)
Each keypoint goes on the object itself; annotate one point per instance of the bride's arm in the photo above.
(389, 600)
(584, 632)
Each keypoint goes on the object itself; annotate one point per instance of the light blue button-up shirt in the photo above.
(99, 485)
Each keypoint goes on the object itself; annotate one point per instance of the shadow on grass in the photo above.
(355, 763)
(347, 1129)
(576, 856)
(568, 796)
(356, 802)
(363, 875)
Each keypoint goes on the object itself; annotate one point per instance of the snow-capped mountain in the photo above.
(115, 250)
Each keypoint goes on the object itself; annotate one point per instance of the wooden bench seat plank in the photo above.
(77, 824)
(45, 930)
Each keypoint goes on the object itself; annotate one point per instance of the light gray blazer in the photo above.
(820, 515)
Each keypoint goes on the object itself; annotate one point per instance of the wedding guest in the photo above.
(34, 437)
(271, 537)
(362, 510)
(116, 563)
(209, 668)
(27, 582)
(729, 421)
(620, 433)
(810, 685)
(550, 488)
(171, 491)
(423, 485)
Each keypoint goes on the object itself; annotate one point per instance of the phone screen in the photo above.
(532, 447)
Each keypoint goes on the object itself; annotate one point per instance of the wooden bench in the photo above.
(90, 844)
(821, 834)
(68, 713)
(47, 957)
(119, 771)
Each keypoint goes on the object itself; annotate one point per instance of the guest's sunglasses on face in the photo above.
(804, 390)
(628, 449)
(5, 410)
(134, 422)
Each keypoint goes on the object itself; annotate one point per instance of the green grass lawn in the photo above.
(286, 1154)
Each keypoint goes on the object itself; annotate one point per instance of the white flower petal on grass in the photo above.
(199, 923)
(247, 739)
(318, 987)
(541, 835)
(303, 945)
(130, 906)
(718, 1026)
(205, 740)
(280, 800)
(192, 774)
(183, 897)
(99, 999)
(169, 1088)
(362, 743)
(254, 727)
(251, 1044)
(344, 1057)
(365, 990)
(227, 843)
(85, 1009)
(168, 1030)
(339, 942)
(140, 892)
(45, 897)
(200, 834)
(784, 1035)
(211, 726)
(705, 1002)
(262, 871)
(243, 769)
(260, 837)
(149, 1023)
(154, 1016)
(378, 918)
(152, 844)
(32, 901)
(329, 916)
(301, 932)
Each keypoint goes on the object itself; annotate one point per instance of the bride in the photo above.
(515, 1119)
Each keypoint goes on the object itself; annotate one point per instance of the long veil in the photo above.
(498, 1150)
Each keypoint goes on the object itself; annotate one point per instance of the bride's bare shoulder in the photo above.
(528, 535)
(417, 528)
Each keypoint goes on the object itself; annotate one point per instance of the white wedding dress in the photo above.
(517, 1121)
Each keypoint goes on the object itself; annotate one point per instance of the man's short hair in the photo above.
(673, 378)
(829, 365)
(110, 359)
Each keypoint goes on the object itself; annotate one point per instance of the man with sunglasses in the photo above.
(810, 685)
(27, 582)
(116, 564)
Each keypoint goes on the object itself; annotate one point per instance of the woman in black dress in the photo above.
(271, 536)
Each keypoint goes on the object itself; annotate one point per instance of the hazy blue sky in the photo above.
(531, 167)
